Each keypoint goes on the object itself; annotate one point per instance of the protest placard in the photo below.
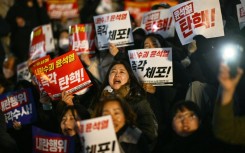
(138, 8)
(98, 135)
(42, 41)
(63, 73)
(153, 65)
(197, 17)
(113, 28)
(62, 8)
(49, 142)
(18, 105)
(160, 22)
(81, 38)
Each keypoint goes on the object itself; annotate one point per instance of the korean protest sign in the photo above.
(241, 15)
(113, 28)
(82, 38)
(197, 17)
(41, 42)
(153, 65)
(35, 64)
(63, 73)
(48, 142)
(159, 21)
(138, 8)
(18, 105)
(39, 62)
(98, 135)
(62, 8)
(23, 72)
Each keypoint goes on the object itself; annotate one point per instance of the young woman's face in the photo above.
(185, 123)
(68, 124)
(151, 42)
(114, 109)
(118, 76)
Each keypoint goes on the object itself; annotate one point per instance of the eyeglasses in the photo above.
(189, 116)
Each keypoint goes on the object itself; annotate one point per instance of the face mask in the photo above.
(64, 43)
(8, 73)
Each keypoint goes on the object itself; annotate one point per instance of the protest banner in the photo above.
(98, 135)
(82, 38)
(241, 15)
(42, 41)
(137, 9)
(160, 22)
(197, 17)
(23, 72)
(18, 105)
(113, 28)
(63, 73)
(62, 8)
(153, 65)
(49, 142)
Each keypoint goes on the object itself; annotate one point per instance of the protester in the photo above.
(120, 79)
(131, 138)
(4, 31)
(63, 42)
(23, 133)
(226, 125)
(163, 97)
(68, 118)
(189, 134)
(147, 101)
(22, 17)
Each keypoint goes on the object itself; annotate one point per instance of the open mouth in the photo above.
(116, 81)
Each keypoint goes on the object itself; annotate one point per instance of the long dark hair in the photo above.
(82, 112)
(135, 89)
(161, 40)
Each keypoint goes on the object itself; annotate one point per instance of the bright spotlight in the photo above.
(229, 53)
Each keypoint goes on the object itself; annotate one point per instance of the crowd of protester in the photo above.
(202, 112)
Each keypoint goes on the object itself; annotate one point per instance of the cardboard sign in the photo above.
(59, 8)
(39, 62)
(19, 106)
(160, 22)
(137, 9)
(197, 17)
(153, 65)
(98, 135)
(82, 38)
(42, 41)
(48, 142)
(113, 28)
(64, 73)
